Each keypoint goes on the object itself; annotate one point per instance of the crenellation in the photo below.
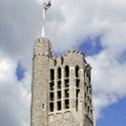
(61, 88)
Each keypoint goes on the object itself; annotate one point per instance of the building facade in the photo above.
(61, 88)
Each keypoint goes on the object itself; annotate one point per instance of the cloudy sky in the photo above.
(95, 27)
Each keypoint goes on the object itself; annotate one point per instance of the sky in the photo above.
(95, 27)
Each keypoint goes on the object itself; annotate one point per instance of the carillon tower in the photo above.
(61, 88)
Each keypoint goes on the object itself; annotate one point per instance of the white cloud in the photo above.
(109, 81)
(68, 25)
(15, 96)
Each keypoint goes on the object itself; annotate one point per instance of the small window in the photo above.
(51, 74)
(59, 105)
(77, 83)
(51, 105)
(59, 73)
(59, 85)
(85, 95)
(52, 86)
(66, 104)
(77, 92)
(77, 71)
(76, 104)
(66, 93)
(59, 95)
(88, 110)
(66, 83)
(85, 107)
(51, 96)
(66, 71)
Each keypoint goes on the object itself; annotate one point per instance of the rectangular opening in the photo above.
(59, 85)
(59, 95)
(76, 104)
(51, 74)
(51, 96)
(77, 92)
(59, 105)
(67, 104)
(85, 107)
(78, 83)
(52, 86)
(66, 83)
(51, 106)
(85, 95)
(66, 92)
(88, 109)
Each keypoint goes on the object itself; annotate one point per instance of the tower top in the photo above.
(42, 47)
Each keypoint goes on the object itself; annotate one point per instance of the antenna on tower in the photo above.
(46, 6)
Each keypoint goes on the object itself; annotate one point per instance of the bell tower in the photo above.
(39, 105)
(61, 88)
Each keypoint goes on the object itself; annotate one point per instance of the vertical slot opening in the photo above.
(51, 107)
(59, 73)
(77, 92)
(66, 83)
(59, 105)
(51, 96)
(66, 71)
(51, 74)
(59, 85)
(76, 104)
(59, 95)
(52, 86)
(77, 83)
(77, 71)
(66, 104)
(66, 93)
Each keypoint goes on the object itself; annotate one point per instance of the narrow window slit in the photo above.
(66, 104)
(59, 85)
(51, 96)
(59, 105)
(52, 86)
(59, 95)
(77, 83)
(66, 83)
(51, 74)
(66, 71)
(51, 107)
(59, 73)
(77, 71)
(66, 93)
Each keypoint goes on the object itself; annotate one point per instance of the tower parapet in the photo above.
(61, 88)
(42, 46)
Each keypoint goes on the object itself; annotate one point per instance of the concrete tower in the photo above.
(61, 88)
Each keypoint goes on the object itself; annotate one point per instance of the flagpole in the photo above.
(43, 25)
(94, 118)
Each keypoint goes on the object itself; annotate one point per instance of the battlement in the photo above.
(61, 88)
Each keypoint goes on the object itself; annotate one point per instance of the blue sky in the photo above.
(95, 27)
(114, 115)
